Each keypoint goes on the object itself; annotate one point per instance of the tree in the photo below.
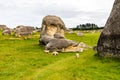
(78, 26)
(109, 41)
(87, 26)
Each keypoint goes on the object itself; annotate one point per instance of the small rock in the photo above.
(79, 34)
(83, 45)
(46, 51)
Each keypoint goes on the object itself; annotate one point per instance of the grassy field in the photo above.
(24, 59)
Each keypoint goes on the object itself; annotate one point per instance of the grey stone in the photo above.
(6, 32)
(23, 30)
(3, 27)
(109, 41)
(52, 27)
(52, 36)
(59, 44)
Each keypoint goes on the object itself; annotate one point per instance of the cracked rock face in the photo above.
(109, 41)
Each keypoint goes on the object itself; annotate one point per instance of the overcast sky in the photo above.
(72, 12)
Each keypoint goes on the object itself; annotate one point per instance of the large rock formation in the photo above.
(60, 44)
(52, 36)
(7, 31)
(3, 27)
(109, 41)
(23, 30)
(51, 25)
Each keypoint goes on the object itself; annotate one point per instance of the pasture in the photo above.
(25, 59)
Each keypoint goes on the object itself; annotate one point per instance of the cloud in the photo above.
(72, 12)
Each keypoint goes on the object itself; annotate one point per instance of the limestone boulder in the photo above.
(52, 25)
(52, 36)
(6, 32)
(23, 30)
(109, 41)
(59, 44)
(3, 27)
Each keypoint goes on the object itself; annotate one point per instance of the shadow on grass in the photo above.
(106, 59)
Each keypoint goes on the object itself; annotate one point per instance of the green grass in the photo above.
(24, 59)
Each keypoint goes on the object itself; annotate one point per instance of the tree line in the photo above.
(87, 26)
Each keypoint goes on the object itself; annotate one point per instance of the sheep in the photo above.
(55, 53)
(77, 55)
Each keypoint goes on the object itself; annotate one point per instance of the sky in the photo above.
(72, 12)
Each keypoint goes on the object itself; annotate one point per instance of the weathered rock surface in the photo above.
(51, 27)
(23, 30)
(59, 44)
(6, 32)
(3, 27)
(109, 41)
(52, 36)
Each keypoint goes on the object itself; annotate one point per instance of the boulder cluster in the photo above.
(19, 31)
(52, 36)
